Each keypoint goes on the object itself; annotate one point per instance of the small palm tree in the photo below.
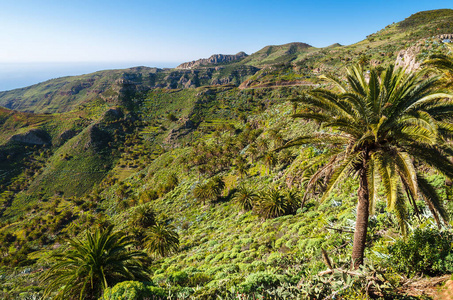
(103, 259)
(245, 197)
(162, 240)
(379, 129)
(253, 152)
(270, 160)
(210, 191)
(200, 193)
(241, 168)
(241, 165)
(275, 203)
(263, 145)
(144, 216)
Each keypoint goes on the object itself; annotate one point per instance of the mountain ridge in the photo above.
(213, 60)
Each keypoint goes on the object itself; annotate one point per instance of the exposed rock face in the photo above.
(33, 137)
(214, 59)
(408, 59)
(65, 136)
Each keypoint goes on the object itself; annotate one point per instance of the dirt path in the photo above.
(446, 292)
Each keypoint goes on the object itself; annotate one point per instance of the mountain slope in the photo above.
(116, 140)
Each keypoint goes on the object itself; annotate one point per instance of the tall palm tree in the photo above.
(103, 259)
(377, 129)
(270, 160)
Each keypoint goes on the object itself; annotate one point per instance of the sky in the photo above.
(169, 32)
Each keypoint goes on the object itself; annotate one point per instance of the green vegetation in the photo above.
(425, 251)
(90, 266)
(188, 182)
(377, 129)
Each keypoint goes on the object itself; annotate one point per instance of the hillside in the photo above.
(98, 150)
(293, 63)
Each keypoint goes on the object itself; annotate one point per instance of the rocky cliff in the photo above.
(213, 60)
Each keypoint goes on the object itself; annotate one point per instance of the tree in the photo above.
(144, 217)
(273, 203)
(245, 197)
(380, 129)
(103, 259)
(443, 64)
(209, 191)
(162, 240)
(270, 160)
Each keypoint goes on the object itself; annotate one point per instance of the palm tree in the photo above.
(241, 165)
(162, 240)
(200, 193)
(443, 64)
(252, 150)
(378, 129)
(144, 216)
(273, 203)
(270, 160)
(245, 197)
(103, 259)
(209, 191)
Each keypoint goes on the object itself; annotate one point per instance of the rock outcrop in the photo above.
(33, 137)
(408, 58)
(213, 60)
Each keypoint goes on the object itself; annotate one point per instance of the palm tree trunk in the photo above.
(361, 225)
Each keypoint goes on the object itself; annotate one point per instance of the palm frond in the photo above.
(407, 172)
(432, 199)
(432, 156)
(400, 212)
(387, 171)
(342, 171)
(316, 139)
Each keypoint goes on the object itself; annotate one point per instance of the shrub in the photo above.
(180, 278)
(260, 281)
(199, 279)
(133, 290)
(425, 250)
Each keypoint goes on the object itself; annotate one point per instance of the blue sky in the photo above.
(175, 31)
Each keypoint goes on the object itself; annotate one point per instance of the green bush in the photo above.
(426, 251)
(259, 281)
(199, 279)
(179, 278)
(133, 290)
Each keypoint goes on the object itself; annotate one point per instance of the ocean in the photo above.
(19, 75)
